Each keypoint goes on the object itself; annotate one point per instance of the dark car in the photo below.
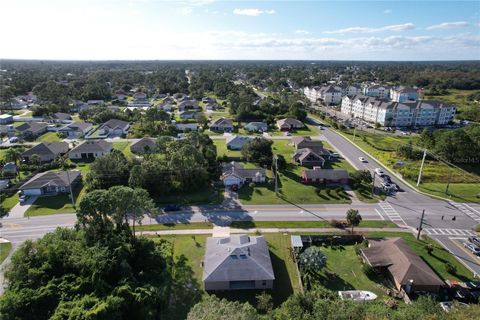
(386, 178)
(171, 207)
(474, 240)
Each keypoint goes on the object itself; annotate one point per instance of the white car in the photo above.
(379, 172)
(362, 159)
(472, 248)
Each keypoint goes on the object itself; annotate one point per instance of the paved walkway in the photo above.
(18, 211)
(266, 230)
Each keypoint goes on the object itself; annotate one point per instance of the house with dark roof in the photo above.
(238, 262)
(407, 270)
(47, 151)
(318, 175)
(289, 124)
(90, 149)
(221, 125)
(60, 117)
(6, 118)
(308, 158)
(258, 127)
(234, 174)
(187, 105)
(236, 142)
(75, 129)
(184, 115)
(51, 183)
(31, 129)
(144, 145)
(114, 128)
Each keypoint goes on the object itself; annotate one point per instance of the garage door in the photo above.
(32, 192)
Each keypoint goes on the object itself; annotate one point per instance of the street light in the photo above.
(275, 157)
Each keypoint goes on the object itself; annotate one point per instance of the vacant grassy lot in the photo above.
(124, 147)
(49, 137)
(4, 250)
(193, 248)
(222, 149)
(55, 204)
(205, 196)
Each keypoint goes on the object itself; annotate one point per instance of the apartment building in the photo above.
(391, 113)
(377, 91)
(403, 94)
(331, 94)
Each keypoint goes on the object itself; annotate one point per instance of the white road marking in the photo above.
(448, 232)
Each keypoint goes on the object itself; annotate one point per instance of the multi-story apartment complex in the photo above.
(377, 91)
(398, 114)
(331, 94)
(403, 94)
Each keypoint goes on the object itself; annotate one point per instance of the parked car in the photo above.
(171, 207)
(386, 178)
(23, 198)
(474, 240)
(472, 248)
(379, 172)
(13, 140)
(362, 159)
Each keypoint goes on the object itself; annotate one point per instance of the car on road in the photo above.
(474, 240)
(362, 159)
(379, 172)
(472, 248)
(171, 207)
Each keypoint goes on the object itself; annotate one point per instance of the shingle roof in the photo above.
(237, 140)
(290, 122)
(62, 116)
(235, 168)
(32, 126)
(222, 122)
(45, 148)
(93, 146)
(142, 143)
(328, 174)
(401, 261)
(77, 126)
(237, 258)
(115, 123)
(51, 178)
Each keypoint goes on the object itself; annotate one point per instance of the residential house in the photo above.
(168, 100)
(90, 149)
(79, 106)
(288, 124)
(236, 142)
(140, 103)
(221, 125)
(187, 126)
(95, 102)
(167, 107)
(61, 117)
(404, 94)
(15, 104)
(31, 129)
(140, 96)
(47, 151)
(210, 106)
(120, 95)
(6, 118)
(9, 168)
(187, 105)
(234, 174)
(75, 129)
(51, 183)
(258, 127)
(407, 270)
(308, 158)
(237, 262)
(114, 128)
(184, 115)
(144, 145)
(208, 100)
(318, 175)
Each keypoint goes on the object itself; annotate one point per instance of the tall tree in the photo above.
(353, 218)
(258, 150)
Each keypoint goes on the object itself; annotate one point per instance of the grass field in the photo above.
(124, 147)
(4, 250)
(10, 202)
(222, 149)
(262, 224)
(55, 204)
(49, 137)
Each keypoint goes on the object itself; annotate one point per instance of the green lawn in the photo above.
(124, 147)
(10, 202)
(222, 149)
(4, 250)
(344, 262)
(436, 260)
(261, 224)
(206, 196)
(55, 204)
(49, 137)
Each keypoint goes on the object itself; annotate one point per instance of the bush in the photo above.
(337, 224)
(450, 268)
(429, 248)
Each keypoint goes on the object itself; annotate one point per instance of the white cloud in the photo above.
(387, 11)
(252, 12)
(302, 31)
(449, 25)
(186, 11)
(395, 28)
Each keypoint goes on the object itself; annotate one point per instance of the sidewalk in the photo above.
(268, 230)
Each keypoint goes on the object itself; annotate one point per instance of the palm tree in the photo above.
(311, 262)
(353, 218)
(13, 155)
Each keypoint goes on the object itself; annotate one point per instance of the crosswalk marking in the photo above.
(466, 209)
(448, 232)
(391, 212)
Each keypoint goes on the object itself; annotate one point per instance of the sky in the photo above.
(239, 30)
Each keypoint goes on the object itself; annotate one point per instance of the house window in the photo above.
(264, 283)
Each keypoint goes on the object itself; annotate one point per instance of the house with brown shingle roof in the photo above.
(407, 270)
(47, 151)
(318, 175)
(144, 145)
(289, 124)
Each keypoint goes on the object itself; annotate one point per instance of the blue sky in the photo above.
(208, 29)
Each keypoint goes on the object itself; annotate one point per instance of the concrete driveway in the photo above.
(18, 211)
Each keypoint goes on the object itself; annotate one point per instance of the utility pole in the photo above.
(421, 167)
(276, 174)
(70, 187)
(421, 224)
(354, 131)
(448, 183)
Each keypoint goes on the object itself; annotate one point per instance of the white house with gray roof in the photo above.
(237, 262)
(234, 174)
(114, 128)
(90, 149)
(51, 183)
(236, 142)
(76, 129)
